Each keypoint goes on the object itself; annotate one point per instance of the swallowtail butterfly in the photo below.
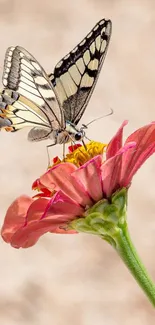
(52, 104)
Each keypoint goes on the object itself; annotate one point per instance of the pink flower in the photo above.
(66, 191)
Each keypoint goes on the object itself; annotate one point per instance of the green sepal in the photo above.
(105, 217)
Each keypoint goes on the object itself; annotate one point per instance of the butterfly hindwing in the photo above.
(75, 76)
(23, 74)
(18, 111)
(39, 134)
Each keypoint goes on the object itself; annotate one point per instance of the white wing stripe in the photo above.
(27, 87)
(34, 98)
(26, 75)
(27, 82)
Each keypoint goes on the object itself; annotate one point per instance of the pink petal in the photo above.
(62, 209)
(38, 186)
(60, 177)
(89, 175)
(15, 216)
(133, 159)
(116, 143)
(36, 210)
(46, 216)
(111, 171)
(28, 236)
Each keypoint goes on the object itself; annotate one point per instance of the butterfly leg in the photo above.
(64, 151)
(84, 144)
(72, 144)
(48, 155)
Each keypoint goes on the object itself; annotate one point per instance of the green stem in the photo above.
(128, 254)
(108, 220)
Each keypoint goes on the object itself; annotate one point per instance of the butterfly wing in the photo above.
(17, 112)
(24, 75)
(75, 76)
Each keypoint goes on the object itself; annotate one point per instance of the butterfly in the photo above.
(52, 104)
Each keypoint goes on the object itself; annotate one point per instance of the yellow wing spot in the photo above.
(103, 30)
(60, 91)
(7, 128)
(80, 65)
(103, 46)
(93, 64)
(2, 114)
(92, 48)
(86, 57)
(87, 81)
(69, 85)
(98, 42)
(5, 112)
(73, 70)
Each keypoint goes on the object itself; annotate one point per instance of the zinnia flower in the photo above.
(69, 189)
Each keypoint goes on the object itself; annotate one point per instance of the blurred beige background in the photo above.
(80, 279)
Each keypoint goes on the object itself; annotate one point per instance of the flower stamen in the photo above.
(79, 155)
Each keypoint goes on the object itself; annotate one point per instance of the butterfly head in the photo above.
(75, 133)
(79, 135)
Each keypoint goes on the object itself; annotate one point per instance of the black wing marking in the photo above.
(75, 76)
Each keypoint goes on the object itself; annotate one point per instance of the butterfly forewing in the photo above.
(75, 76)
(23, 74)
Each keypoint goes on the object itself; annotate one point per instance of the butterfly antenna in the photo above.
(98, 118)
(88, 138)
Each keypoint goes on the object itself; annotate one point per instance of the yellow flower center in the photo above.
(82, 154)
